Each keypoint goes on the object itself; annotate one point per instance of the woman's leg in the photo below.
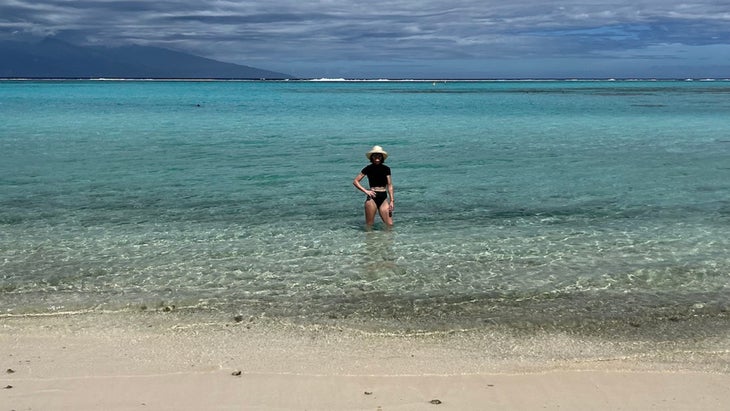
(385, 213)
(370, 209)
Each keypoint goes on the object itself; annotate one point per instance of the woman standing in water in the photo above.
(381, 187)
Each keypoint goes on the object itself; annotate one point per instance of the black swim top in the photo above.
(377, 174)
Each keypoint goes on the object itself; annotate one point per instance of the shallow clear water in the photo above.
(539, 202)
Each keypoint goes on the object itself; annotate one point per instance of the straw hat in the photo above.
(376, 149)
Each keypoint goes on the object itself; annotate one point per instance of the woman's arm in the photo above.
(390, 194)
(356, 183)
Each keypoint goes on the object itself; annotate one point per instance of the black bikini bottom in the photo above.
(380, 197)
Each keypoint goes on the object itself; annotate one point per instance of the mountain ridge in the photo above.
(53, 58)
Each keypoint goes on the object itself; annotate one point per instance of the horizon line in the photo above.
(365, 79)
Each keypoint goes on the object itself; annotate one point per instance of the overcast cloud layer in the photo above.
(406, 38)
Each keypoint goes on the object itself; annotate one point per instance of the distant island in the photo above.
(53, 58)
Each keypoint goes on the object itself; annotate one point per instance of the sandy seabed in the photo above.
(157, 362)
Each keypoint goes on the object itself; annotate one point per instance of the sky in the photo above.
(429, 39)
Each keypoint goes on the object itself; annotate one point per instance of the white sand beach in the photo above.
(75, 363)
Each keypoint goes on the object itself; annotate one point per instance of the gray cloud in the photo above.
(381, 33)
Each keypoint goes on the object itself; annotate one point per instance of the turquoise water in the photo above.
(546, 203)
